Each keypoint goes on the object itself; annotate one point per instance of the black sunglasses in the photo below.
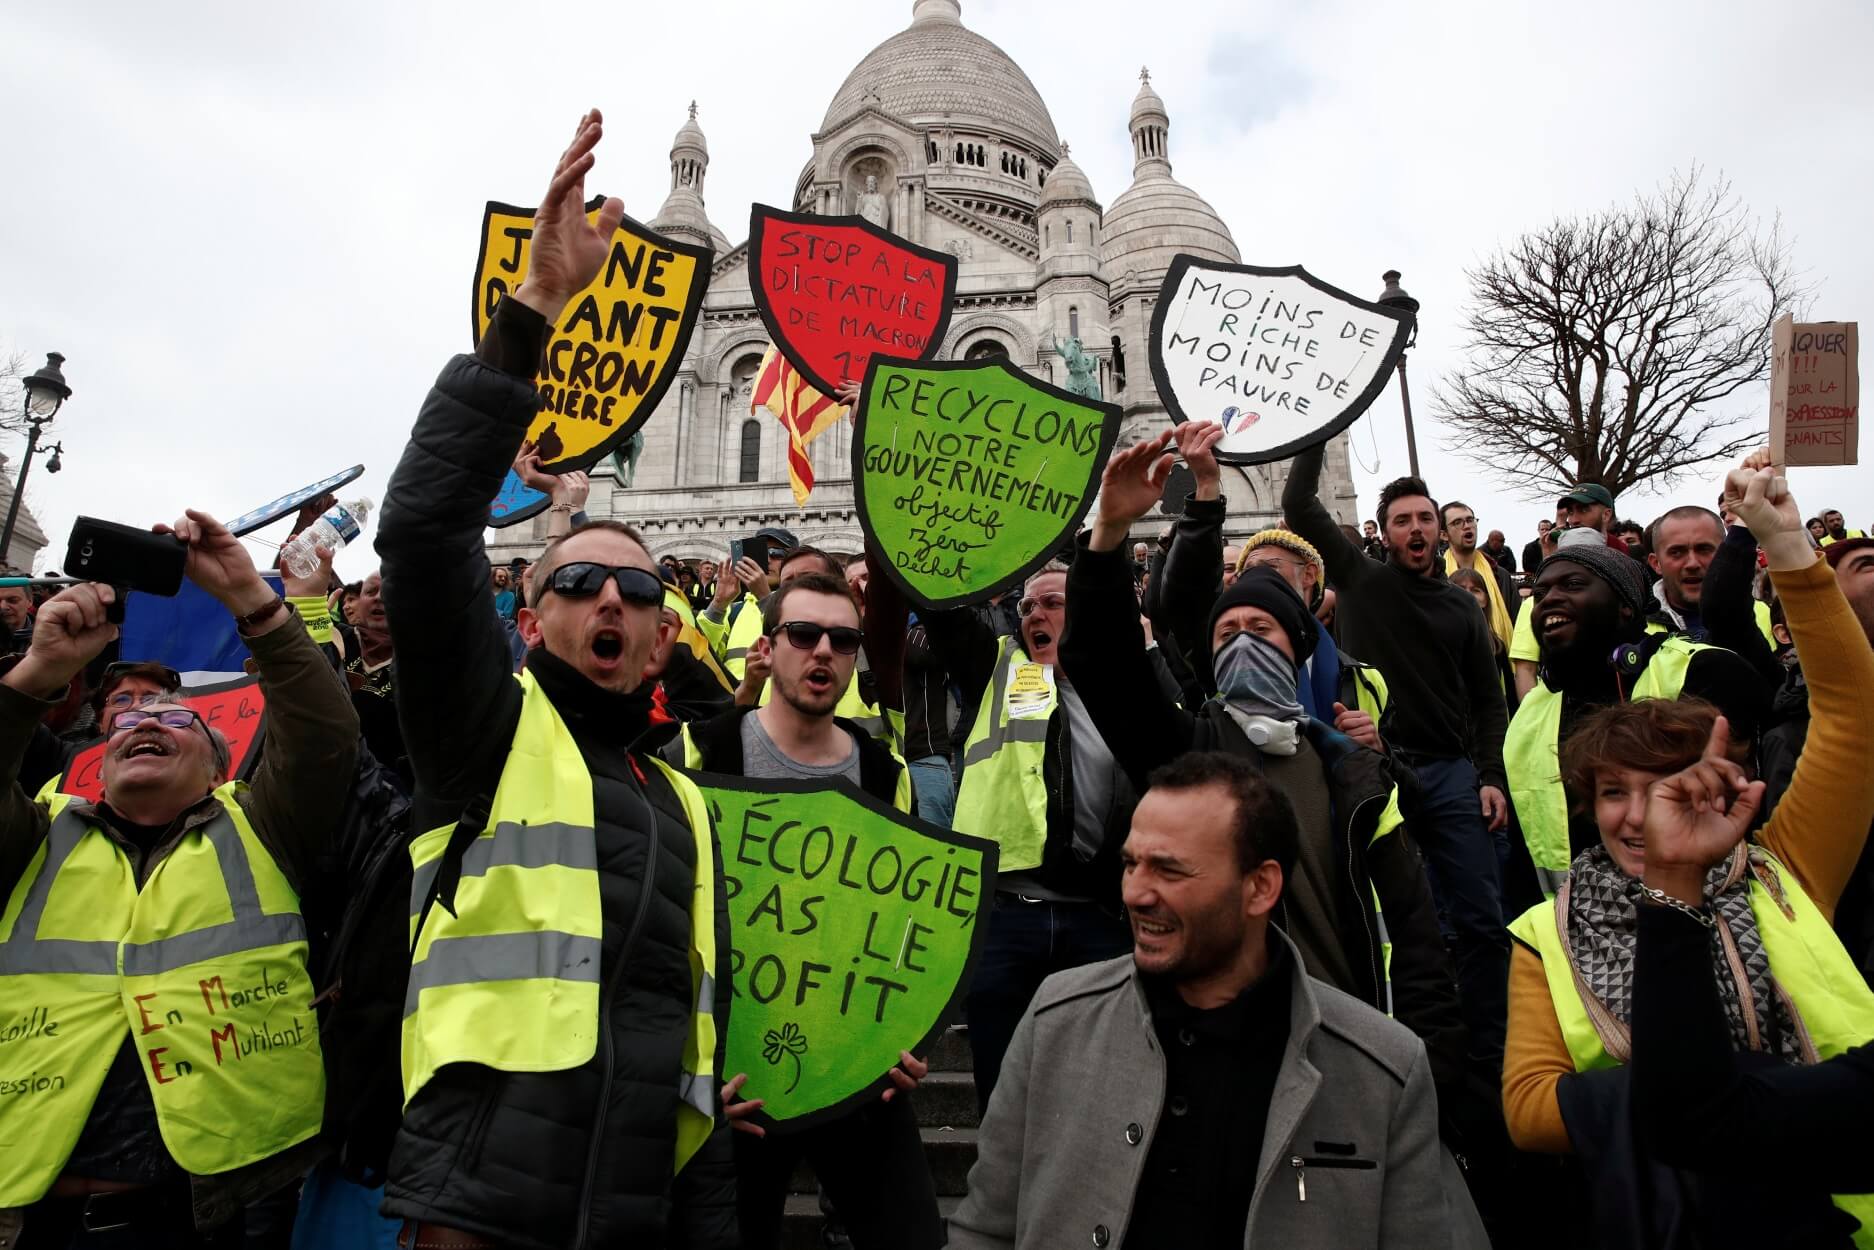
(806, 635)
(583, 579)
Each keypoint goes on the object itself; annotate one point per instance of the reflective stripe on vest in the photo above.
(1806, 958)
(740, 636)
(511, 980)
(203, 969)
(1003, 796)
(1531, 758)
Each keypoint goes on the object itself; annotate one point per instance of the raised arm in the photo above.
(1821, 822)
(453, 672)
(1193, 570)
(1309, 517)
(1728, 608)
(1103, 648)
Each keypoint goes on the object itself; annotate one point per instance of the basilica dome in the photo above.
(937, 72)
(1158, 217)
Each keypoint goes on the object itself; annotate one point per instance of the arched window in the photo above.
(1070, 229)
(1073, 321)
(959, 154)
(1047, 236)
(986, 349)
(751, 451)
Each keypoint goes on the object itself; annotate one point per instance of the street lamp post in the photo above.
(1394, 296)
(45, 392)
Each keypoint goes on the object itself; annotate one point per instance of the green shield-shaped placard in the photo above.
(854, 930)
(970, 474)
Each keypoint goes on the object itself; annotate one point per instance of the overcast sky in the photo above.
(251, 228)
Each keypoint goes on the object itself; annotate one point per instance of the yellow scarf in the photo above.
(1499, 615)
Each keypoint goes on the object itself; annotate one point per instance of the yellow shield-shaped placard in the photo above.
(616, 346)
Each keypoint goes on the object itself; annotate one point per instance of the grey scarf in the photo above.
(1598, 911)
(1257, 686)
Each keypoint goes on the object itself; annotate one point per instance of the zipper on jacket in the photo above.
(1301, 1177)
(1301, 1166)
(1375, 958)
(583, 1228)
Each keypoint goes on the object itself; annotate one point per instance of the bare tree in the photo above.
(1603, 348)
(12, 369)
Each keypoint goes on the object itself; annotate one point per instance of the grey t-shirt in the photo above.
(762, 758)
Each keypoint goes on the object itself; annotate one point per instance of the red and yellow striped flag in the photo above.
(802, 411)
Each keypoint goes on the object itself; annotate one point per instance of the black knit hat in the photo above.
(1259, 587)
(1619, 570)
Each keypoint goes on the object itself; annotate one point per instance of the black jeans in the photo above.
(1028, 943)
(871, 1165)
(1464, 862)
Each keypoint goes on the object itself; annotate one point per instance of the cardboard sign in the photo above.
(236, 708)
(1281, 358)
(855, 928)
(1815, 392)
(836, 291)
(286, 505)
(618, 344)
(516, 502)
(969, 475)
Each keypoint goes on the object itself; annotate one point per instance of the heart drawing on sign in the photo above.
(1235, 419)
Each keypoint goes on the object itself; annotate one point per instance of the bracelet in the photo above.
(259, 615)
(1700, 914)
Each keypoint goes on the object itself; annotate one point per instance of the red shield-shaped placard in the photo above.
(236, 708)
(836, 291)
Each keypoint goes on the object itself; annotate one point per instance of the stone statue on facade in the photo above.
(872, 205)
(1083, 370)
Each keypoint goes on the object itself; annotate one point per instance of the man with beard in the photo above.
(1682, 543)
(569, 991)
(372, 678)
(869, 1160)
(1462, 552)
(1206, 1091)
(1589, 610)
(1448, 716)
(1835, 530)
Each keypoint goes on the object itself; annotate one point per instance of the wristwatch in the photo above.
(260, 615)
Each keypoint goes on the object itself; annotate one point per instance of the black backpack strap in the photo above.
(448, 875)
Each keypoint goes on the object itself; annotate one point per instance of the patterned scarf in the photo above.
(1598, 911)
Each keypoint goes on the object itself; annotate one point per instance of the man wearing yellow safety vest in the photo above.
(563, 1023)
(1835, 530)
(1039, 782)
(1589, 613)
(1355, 902)
(161, 1060)
(869, 1160)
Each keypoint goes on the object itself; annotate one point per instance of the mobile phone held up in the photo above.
(125, 557)
(755, 549)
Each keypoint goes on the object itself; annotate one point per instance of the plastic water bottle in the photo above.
(340, 525)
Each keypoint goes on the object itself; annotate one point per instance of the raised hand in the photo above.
(1760, 498)
(314, 587)
(753, 577)
(527, 468)
(219, 564)
(1695, 818)
(572, 490)
(70, 632)
(728, 587)
(1133, 482)
(567, 250)
(1197, 442)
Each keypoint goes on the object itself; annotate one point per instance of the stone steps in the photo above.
(947, 1123)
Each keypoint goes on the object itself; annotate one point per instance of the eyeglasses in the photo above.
(125, 698)
(168, 718)
(807, 634)
(583, 579)
(1051, 602)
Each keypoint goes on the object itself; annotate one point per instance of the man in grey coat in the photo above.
(1205, 1092)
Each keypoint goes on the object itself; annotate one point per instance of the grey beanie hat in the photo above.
(1615, 568)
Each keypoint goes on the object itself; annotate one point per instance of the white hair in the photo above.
(1052, 566)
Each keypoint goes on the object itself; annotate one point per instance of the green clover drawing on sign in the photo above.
(789, 1040)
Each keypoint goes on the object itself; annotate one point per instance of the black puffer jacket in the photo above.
(557, 1159)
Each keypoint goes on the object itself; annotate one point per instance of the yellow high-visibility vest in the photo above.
(1003, 796)
(1806, 958)
(203, 969)
(511, 980)
(1531, 758)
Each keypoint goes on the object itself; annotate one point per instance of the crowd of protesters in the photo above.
(1357, 887)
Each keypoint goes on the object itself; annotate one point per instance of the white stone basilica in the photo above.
(939, 136)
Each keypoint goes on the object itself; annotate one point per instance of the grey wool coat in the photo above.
(1063, 1146)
